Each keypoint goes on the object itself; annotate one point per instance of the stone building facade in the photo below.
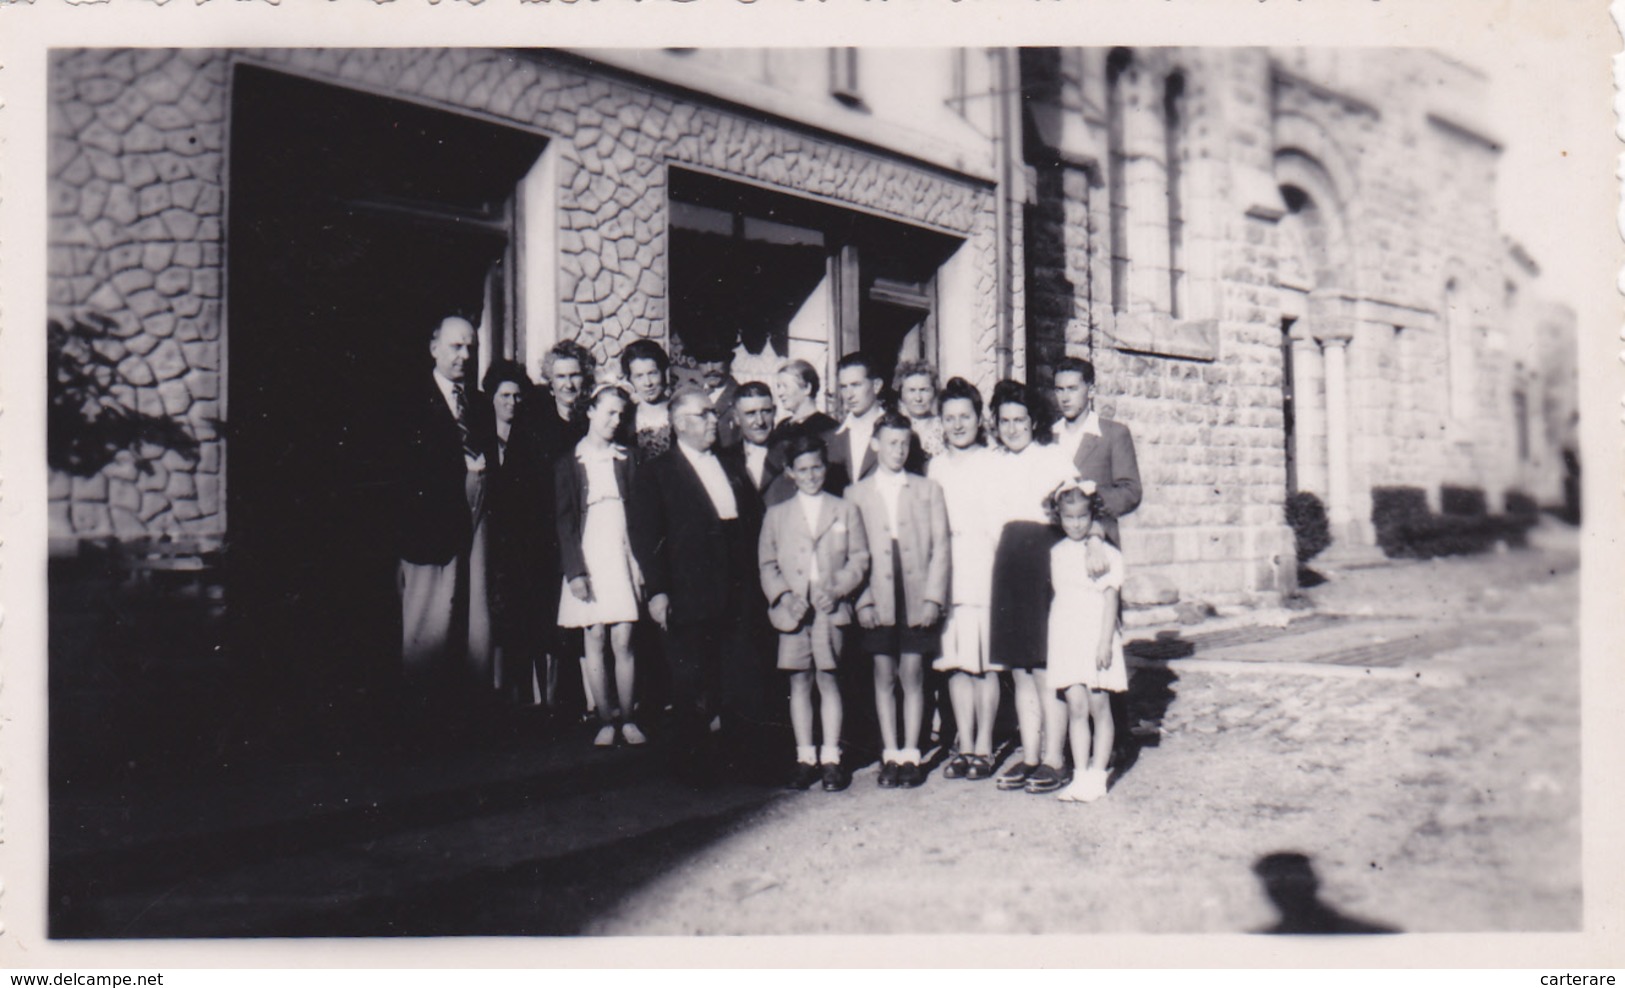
(140, 190)
(1287, 268)
(1269, 254)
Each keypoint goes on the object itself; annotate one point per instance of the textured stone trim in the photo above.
(1157, 334)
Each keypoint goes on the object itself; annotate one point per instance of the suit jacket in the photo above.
(776, 485)
(922, 542)
(1109, 461)
(787, 548)
(842, 474)
(435, 522)
(570, 496)
(681, 545)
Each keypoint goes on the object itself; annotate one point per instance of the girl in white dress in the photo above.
(601, 578)
(973, 679)
(1085, 644)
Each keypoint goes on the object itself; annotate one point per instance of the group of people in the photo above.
(733, 528)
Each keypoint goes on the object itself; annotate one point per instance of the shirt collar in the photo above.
(445, 384)
(867, 418)
(1088, 425)
(695, 456)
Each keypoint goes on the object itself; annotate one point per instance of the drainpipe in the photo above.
(1007, 103)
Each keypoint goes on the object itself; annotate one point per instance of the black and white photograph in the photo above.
(1066, 487)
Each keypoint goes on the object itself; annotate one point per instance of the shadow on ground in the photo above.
(196, 796)
(1291, 884)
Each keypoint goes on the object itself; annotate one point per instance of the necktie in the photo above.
(463, 432)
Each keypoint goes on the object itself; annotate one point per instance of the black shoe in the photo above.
(804, 777)
(836, 778)
(1044, 779)
(1015, 777)
(910, 775)
(958, 767)
(888, 775)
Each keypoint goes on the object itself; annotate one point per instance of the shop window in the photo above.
(770, 276)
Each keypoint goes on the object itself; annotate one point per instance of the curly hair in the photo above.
(913, 368)
(1010, 392)
(1071, 494)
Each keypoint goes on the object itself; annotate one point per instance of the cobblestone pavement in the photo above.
(1436, 789)
(1445, 801)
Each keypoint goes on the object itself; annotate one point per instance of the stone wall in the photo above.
(137, 155)
(1208, 430)
(136, 159)
(1404, 183)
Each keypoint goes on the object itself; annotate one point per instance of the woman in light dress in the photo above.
(601, 580)
(961, 468)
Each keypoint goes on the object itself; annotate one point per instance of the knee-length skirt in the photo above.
(610, 570)
(1018, 621)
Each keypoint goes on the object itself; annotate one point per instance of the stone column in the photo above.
(1337, 437)
(1309, 429)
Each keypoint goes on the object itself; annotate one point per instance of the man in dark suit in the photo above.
(753, 425)
(753, 689)
(692, 518)
(1102, 450)
(861, 387)
(450, 442)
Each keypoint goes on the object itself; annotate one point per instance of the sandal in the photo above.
(1015, 777)
(1044, 779)
(958, 767)
(978, 767)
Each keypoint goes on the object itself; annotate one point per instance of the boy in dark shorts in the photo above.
(901, 608)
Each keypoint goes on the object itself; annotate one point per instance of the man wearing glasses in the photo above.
(691, 522)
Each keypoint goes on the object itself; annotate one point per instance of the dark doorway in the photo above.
(1289, 413)
(357, 222)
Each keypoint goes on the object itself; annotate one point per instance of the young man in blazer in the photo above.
(692, 522)
(1102, 450)
(861, 388)
(450, 443)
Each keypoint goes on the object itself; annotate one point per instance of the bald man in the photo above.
(450, 437)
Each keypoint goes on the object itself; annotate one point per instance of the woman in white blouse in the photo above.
(961, 469)
(1023, 472)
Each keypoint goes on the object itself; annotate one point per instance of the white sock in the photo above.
(830, 754)
(806, 754)
(891, 755)
(909, 756)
